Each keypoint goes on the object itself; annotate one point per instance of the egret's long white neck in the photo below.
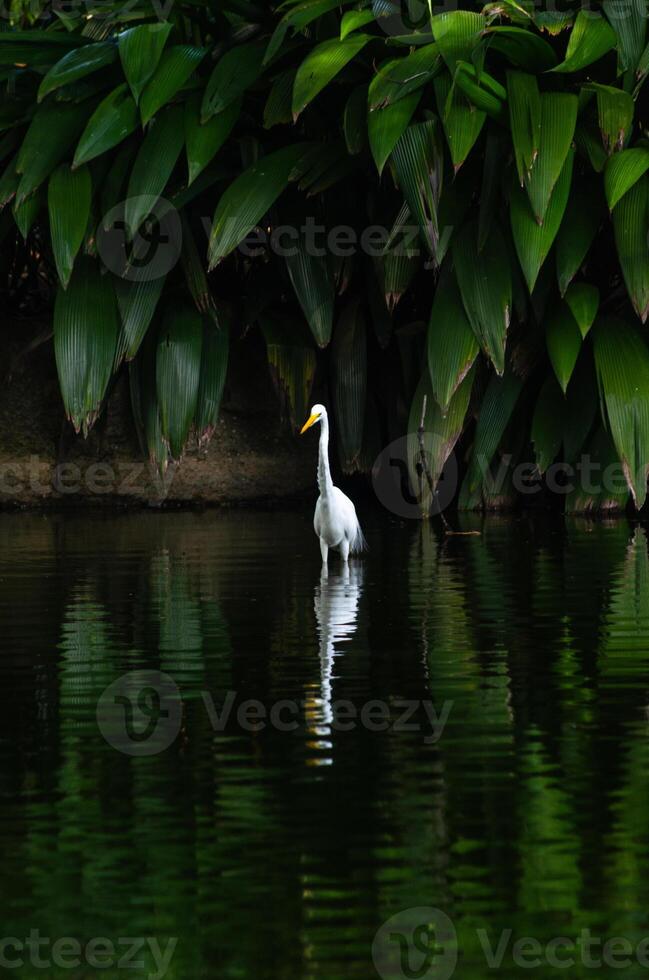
(325, 483)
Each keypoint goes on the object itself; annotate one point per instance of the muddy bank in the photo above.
(251, 458)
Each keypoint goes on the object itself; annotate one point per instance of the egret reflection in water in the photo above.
(336, 601)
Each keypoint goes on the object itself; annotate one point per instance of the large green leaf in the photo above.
(349, 382)
(153, 165)
(615, 112)
(457, 33)
(278, 108)
(497, 407)
(298, 16)
(579, 226)
(558, 118)
(441, 433)
(598, 495)
(622, 171)
(583, 300)
(214, 368)
(485, 285)
(452, 346)
(522, 48)
(77, 64)
(203, 141)
(525, 120)
(68, 199)
(111, 122)
(140, 50)
(144, 402)
(419, 164)
(547, 424)
(461, 120)
(590, 39)
(178, 372)
(322, 65)
(52, 133)
(292, 363)
(233, 74)
(137, 302)
(534, 241)
(629, 21)
(250, 196)
(353, 20)
(563, 339)
(315, 289)
(175, 67)
(630, 222)
(401, 77)
(386, 126)
(622, 363)
(86, 327)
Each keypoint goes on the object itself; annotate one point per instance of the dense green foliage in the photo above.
(458, 207)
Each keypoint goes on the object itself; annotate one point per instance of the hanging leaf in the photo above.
(322, 65)
(86, 327)
(77, 64)
(615, 111)
(498, 404)
(26, 213)
(630, 222)
(578, 228)
(457, 33)
(194, 269)
(248, 199)
(441, 433)
(547, 424)
(178, 370)
(583, 300)
(144, 399)
(314, 288)
(462, 122)
(482, 90)
(292, 363)
(558, 118)
(485, 285)
(233, 75)
(52, 132)
(137, 302)
(419, 164)
(68, 198)
(396, 269)
(622, 363)
(140, 50)
(590, 39)
(153, 166)
(111, 122)
(278, 109)
(622, 171)
(563, 339)
(534, 241)
(522, 48)
(349, 383)
(452, 346)
(203, 141)
(174, 69)
(353, 20)
(400, 77)
(355, 121)
(386, 127)
(604, 496)
(525, 120)
(629, 21)
(214, 369)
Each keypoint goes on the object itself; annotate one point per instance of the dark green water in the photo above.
(279, 854)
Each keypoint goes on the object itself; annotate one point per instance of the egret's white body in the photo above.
(335, 520)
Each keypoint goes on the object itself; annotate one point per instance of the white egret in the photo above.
(335, 520)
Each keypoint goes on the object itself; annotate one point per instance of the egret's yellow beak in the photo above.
(309, 422)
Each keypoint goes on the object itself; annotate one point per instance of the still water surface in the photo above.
(279, 853)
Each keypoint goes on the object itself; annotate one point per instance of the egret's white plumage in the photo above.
(335, 520)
